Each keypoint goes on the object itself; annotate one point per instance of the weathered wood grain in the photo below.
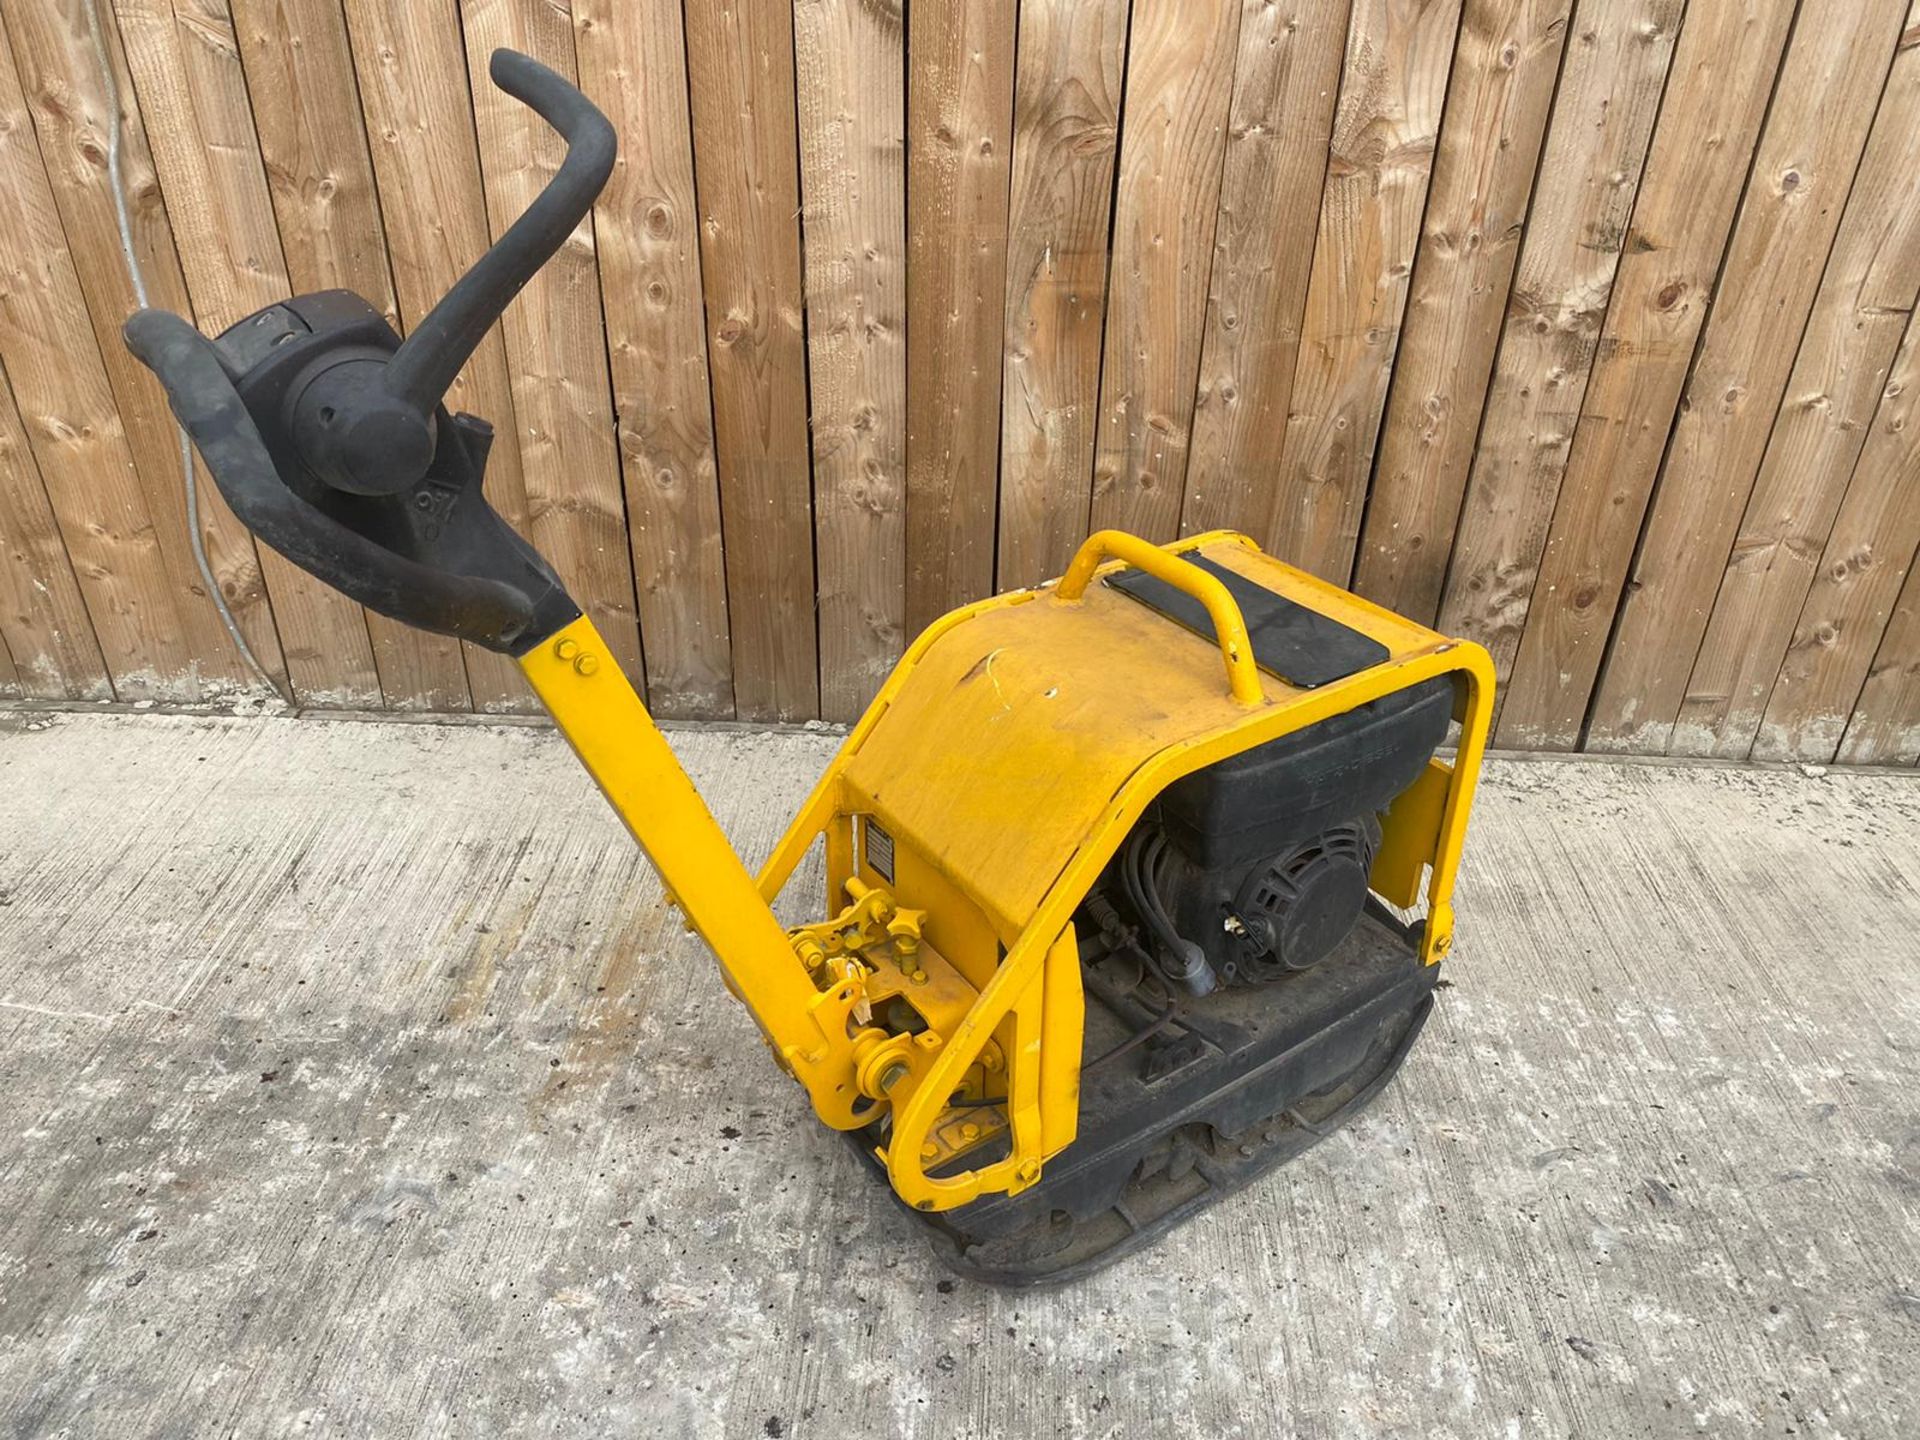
(185, 66)
(1856, 584)
(1498, 100)
(858, 330)
(632, 58)
(43, 617)
(1610, 87)
(1830, 85)
(1729, 54)
(73, 100)
(1179, 95)
(73, 427)
(1885, 728)
(1285, 86)
(1839, 377)
(1398, 56)
(959, 160)
(1066, 127)
(852, 123)
(412, 82)
(556, 344)
(740, 75)
(313, 142)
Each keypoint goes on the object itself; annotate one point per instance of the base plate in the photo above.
(1238, 1083)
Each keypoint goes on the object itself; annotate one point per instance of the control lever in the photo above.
(327, 436)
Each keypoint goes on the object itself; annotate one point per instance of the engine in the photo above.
(1256, 868)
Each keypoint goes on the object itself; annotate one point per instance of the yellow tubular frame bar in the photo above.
(809, 1028)
(1229, 625)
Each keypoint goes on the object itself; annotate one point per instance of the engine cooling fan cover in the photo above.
(1295, 908)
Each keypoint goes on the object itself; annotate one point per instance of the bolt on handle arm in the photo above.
(433, 354)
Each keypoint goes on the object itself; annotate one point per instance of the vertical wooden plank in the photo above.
(66, 407)
(740, 73)
(299, 71)
(1180, 63)
(43, 619)
(1070, 63)
(185, 65)
(73, 101)
(1829, 87)
(1839, 376)
(1399, 53)
(9, 677)
(632, 57)
(410, 63)
(1610, 87)
(1857, 583)
(1279, 132)
(959, 160)
(1885, 729)
(1729, 54)
(1504, 68)
(556, 340)
(850, 79)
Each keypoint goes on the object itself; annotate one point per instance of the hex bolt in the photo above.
(586, 664)
(566, 648)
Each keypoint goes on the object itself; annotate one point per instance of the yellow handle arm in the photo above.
(579, 682)
(1229, 626)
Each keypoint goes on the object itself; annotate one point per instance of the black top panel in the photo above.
(1303, 647)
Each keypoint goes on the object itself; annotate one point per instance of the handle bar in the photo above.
(440, 344)
(1229, 626)
(204, 401)
(325, 431)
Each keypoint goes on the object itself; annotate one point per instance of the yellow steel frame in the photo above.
(813, 991)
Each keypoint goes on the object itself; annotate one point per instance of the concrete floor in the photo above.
(355, 1082)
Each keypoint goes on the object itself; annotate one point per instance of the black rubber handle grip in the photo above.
(203, 397)
(425, 365)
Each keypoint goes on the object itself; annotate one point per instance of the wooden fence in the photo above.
(1583, 327)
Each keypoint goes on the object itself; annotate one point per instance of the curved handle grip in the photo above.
(425, 365)
(1229, 626)
(203, 398)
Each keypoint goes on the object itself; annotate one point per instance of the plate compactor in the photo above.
(1114, 865)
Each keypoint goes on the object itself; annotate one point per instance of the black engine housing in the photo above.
(1261, 861)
